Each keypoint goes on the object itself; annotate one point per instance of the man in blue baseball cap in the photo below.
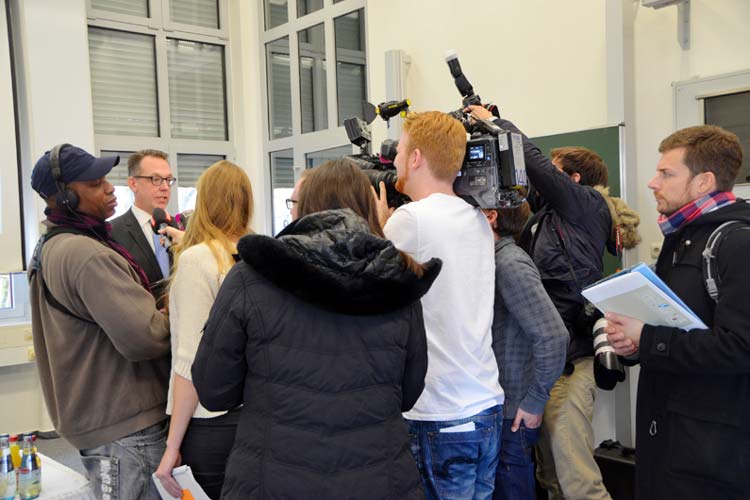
(102, 347)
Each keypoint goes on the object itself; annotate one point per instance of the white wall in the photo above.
(537, 60)
(54, 86)
(720, 43)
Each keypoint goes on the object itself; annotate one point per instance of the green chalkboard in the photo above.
(606, 142)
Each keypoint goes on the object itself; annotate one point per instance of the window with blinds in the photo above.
(279, 88)
(203, 13)
(189, 168)
(312, 78)
(276, 12)
(159, 81)
(305, 7)
(302, 44)
(118, 177)
(351, 60)
(197, 99)
(123, 83)
(128, 7)
(317, 158)
(282, 185)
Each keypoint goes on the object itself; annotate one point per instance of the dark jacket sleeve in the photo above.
(416, 360)
(220, 368)
(568, 198)
(724, 348)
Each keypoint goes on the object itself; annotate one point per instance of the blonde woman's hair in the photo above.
(223, 211)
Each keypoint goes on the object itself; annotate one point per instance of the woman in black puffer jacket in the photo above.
(318, 333)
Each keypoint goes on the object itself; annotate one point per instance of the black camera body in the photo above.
(379, 168)
(493, 173)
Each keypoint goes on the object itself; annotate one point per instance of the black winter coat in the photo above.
(319, 335)
(578, 216)
(693, 412)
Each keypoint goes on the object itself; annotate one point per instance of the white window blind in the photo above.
(351, 81)
(279, 88)
(276, 12)
(312, 73)
(123, 83)
(282, 184)
(118, 176)
(305, 7)
(316, 158)
(196, 90)
(203, 13)
(129, 7)
(189, 168)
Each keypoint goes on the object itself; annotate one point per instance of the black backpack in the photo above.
(711, 253)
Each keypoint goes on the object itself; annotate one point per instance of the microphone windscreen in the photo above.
(159, 217)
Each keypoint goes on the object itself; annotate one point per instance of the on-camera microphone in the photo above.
(462, 83)
(160, 219)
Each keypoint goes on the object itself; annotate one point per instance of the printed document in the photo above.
(639, 293)
(191, 490)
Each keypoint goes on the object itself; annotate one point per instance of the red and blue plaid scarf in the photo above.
(695, 209)
(98, 229)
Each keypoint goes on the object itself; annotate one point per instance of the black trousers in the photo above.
(205, 448)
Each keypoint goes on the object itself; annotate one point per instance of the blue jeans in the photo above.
(458, 465)
(121, 470)
(515, 471)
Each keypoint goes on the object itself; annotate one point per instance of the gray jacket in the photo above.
(104, 373)
(528, 336)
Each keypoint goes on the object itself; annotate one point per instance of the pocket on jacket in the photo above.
(704, 443)
(455, 458)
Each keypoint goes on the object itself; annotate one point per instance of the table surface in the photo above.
(63, 483)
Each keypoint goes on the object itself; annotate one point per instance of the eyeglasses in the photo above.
(156, 180)
(290, 203)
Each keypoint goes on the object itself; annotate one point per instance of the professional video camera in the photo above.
(493, 173)
(379, 168)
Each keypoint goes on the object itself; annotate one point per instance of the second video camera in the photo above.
(493, 174)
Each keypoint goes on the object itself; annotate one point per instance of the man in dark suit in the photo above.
(150, 178)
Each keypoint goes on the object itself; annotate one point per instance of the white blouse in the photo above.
(192, 293)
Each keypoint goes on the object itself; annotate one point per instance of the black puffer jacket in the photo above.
(578, 216)
(692, 432)
(319, 335)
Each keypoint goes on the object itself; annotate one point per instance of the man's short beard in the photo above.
(401, 182)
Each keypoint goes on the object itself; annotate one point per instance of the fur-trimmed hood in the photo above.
(330, 259)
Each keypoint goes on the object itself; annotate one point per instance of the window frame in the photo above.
(159, 26)
(309, 142)
(688, 99)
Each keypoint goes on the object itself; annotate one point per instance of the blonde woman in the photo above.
(198, 437)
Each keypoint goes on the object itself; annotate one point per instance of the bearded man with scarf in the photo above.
(692, 433)
(102, 348)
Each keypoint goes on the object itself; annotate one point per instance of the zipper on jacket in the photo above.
(652, 430)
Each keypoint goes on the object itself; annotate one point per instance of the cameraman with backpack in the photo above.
(692, 434)
(566, 239)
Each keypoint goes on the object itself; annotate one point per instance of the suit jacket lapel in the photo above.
(136, 233)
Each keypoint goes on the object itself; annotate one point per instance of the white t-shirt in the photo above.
(462, 373)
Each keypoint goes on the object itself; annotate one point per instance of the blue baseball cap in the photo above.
(75, 165)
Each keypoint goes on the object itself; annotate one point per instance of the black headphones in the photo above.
(66, 198)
